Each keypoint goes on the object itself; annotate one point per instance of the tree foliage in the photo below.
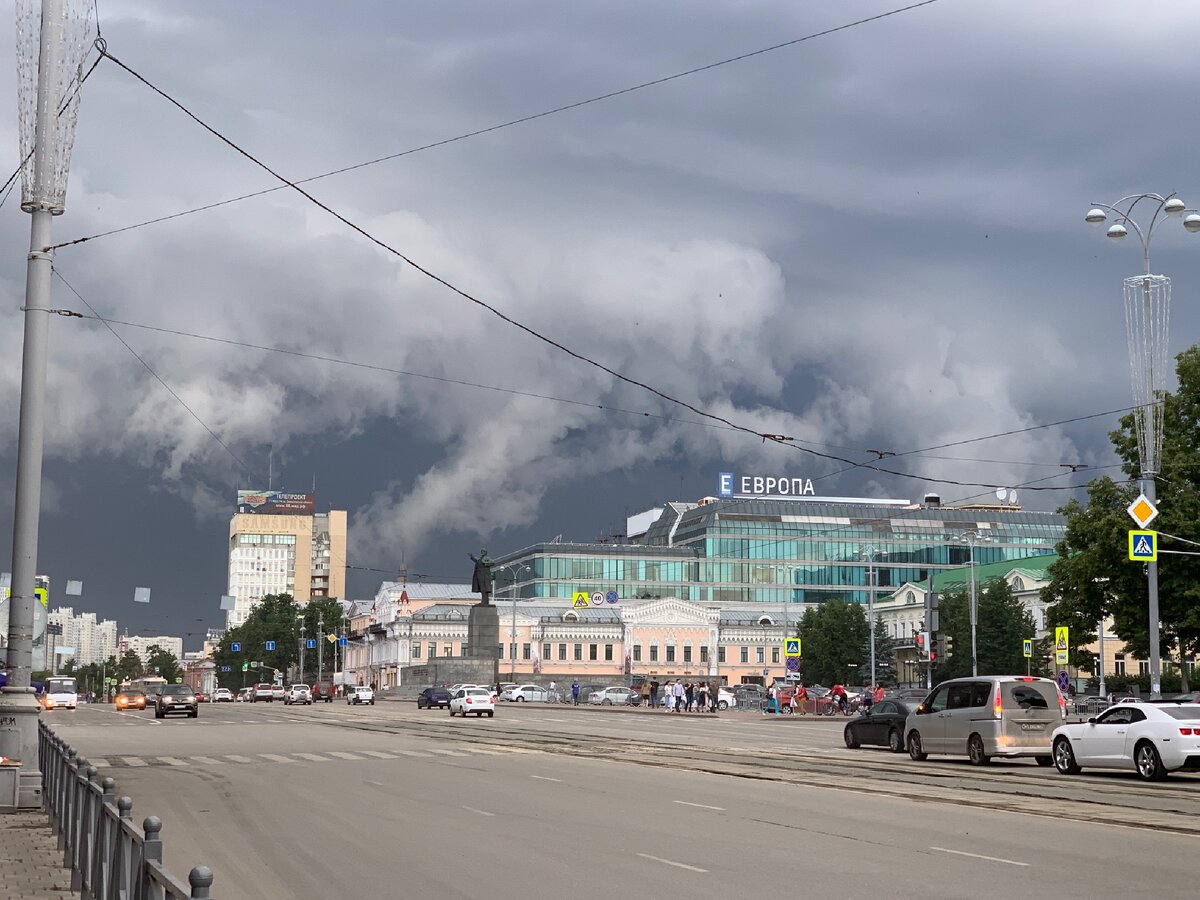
(1093, 578)
(835, 642)
(1002, 627)
(885, 654)
(278, 618)
(162, 663)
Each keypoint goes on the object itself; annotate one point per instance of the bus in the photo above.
(150, 685)
(61, 690)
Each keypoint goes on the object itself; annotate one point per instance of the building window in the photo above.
(499, 651)
(447, 650)
(578, 652)
(416, 650)
(670, 653)
(593, 651)
(562, 652)
(637, 652)
(1143, 667)
(546, 651)
(512, 650)
(775, 655)
(608, 652)
(654, 653)
(432, 650)
(720, 654)
(1119, 664)
(704, 654)
(462, 649)
(745, 654)
(687, 653)
(759, 655)
(526, 651)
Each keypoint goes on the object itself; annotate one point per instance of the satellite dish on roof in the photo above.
(1001, 494)
(1012, 497)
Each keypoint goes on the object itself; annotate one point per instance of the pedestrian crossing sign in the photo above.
(791, 647)
(1028, 648)
(1062, 644)
(580, 599)
(1143, 546)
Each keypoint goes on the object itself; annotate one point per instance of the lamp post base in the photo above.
(19, 711)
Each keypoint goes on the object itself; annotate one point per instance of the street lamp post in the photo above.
(1147, 315)
(971, 538)
(512, 663)
(871, 553)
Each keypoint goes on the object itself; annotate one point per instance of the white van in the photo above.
(994, 715)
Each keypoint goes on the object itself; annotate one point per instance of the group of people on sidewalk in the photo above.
(682, 696)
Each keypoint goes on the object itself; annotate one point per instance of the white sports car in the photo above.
(1151, 738)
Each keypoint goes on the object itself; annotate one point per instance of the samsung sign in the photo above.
(731, 485)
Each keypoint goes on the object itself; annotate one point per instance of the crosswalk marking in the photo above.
(99, 763)
(313, 757)
(134, 761)
(410, 753)
(208, 760)
(241, 759)
(172, 761)
(441, 752)
(342, 754)
(484, 751)
(275, 757)
(378, 754)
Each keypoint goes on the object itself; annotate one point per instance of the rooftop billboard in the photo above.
(276, 503)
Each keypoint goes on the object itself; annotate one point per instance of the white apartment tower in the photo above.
(94, 641)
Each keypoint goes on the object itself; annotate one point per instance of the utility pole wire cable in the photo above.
(379, 242)
(518, 121)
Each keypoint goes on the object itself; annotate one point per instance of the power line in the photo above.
(518, 121)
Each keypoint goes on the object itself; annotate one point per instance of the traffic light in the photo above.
(922, 640)
(943, 646)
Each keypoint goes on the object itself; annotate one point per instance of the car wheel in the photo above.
(1149, 763)
(915, 751)
(1043, 761)
(520, 699)
(848, 736)
(195, 713)
(157, 714)
(723, 705)
(895, 742)
(975, 751)
(491, 713)
(451, 708)
(1064, 757)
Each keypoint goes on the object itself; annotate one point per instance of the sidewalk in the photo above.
(30, 861)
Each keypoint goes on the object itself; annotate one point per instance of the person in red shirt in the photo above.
(879, 693)
(838, 693)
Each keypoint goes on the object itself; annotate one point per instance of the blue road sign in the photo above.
(270, 645)
(235, 647)
(226, 669)
(793, 663)
(611, 597)
(1064, 680)
(310, 644)
(341, 642)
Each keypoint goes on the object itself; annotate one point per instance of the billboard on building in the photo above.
(276, 503)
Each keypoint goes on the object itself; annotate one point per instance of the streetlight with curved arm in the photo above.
(512, 670)
(971, 537)
(1147, 316)
(871, 554)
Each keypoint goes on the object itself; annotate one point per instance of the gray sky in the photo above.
(869, 240)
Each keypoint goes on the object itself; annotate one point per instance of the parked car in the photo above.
(357, 694)
(176, 698)
(278, 692)
(263, 693)
(475, 700)
(323, 690)
(534, 693)
(1152, 739)
(726, 699)
(298, 693)
(222, 695)
(999, 715)
(433, 697)
(131, 700)
(245, 695)
(618, 695)
(882, 725)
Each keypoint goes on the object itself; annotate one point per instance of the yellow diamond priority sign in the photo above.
(1143, 546)
(1142, 511)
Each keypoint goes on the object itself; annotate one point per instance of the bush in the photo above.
(1119, 684)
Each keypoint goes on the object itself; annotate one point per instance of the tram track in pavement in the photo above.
(1106, 798)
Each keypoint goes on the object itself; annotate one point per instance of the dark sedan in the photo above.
(433, 698)
(882, 725)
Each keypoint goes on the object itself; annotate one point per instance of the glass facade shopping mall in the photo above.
(767, 550)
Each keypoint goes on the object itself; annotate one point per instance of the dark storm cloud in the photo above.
(869, 240)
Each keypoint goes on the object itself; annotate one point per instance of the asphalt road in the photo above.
(388, 801)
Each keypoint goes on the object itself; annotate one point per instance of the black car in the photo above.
(882, 725)
(433, 697)
(176, 698)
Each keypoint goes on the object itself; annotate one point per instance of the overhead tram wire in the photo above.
(655, 82)
(504, 317)
(109, 322)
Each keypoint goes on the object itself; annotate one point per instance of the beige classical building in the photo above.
(279, 544)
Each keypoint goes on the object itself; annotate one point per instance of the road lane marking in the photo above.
(482, 812)
(670, 862)
(378, 754)
(546, 778)
(483, 751)
(420, 753)
(275, 757)
(342, 754)
(99, 763)
(241, 759)
(1010, 862)
(172, 761)
(313, 757)
(134, 761)
(209, 761)
(698, 805)
(446, 752)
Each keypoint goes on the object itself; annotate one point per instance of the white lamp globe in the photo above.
(1116, 232)
(1174, 206)
(1192, 222)
(1094, 216)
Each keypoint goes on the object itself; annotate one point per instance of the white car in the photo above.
(475, 700)
(610, 696)
(534, 693)
(726, 699)
(356, 694)
(222, 695)
(278, 692)
(1150, 738)
(298, 693)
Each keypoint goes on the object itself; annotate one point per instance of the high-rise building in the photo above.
(142, 645)
(279, 544)
(92, 641)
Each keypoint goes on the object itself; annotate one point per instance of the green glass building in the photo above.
(767, 550)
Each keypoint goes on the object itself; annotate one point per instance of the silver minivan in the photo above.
(992, 715)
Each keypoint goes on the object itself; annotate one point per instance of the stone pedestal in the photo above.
(483, 632)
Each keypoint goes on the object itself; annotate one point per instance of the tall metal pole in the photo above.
(1100, 635)
(301, 678)
(974, 614)
(320, 647)
(18, 707)
(871, 613)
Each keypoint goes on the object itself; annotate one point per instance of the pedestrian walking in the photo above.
(679, 695)
(773, 702)
(669, 698)
(714, 696)
(801, 697)
(689, 695)
(654, 694)
(879, 693)
(644, 692)
(702, 697)
(575, 691)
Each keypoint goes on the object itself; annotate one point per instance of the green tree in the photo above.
(1093, 577)
(162, 663)
(835, 638)
(885, 654)
(276, 618)
(1002, 626)
(129, 667)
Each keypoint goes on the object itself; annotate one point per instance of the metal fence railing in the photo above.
(110, 857)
